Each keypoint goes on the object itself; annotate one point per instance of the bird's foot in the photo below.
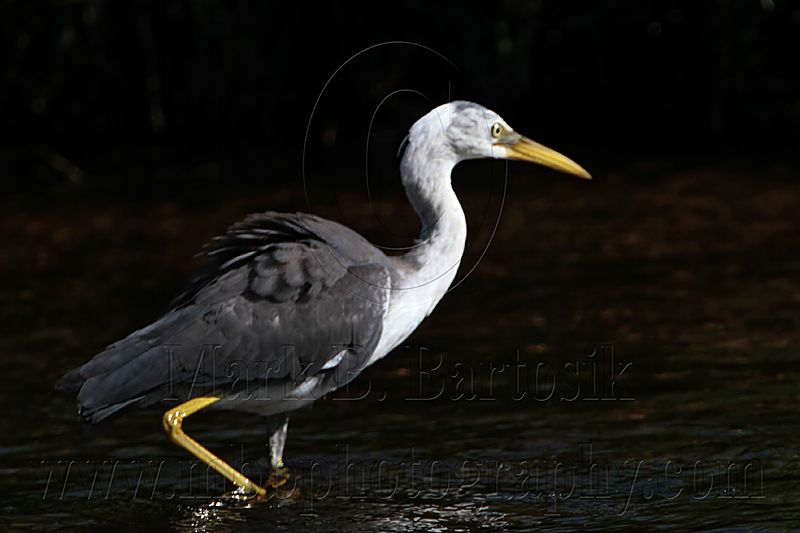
(275, 484)
(278, 477)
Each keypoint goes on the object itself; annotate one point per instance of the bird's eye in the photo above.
(497, 130)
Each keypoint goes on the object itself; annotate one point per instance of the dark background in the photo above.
(134, 131)
(166, 88)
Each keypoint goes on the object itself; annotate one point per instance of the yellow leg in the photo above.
(173, 421)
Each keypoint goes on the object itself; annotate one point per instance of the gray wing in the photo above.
(282, 297)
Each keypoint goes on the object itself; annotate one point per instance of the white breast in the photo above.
(408, 307)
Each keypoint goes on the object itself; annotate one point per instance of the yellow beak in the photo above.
(525, 149)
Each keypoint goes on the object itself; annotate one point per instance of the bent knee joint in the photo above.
(172, 421)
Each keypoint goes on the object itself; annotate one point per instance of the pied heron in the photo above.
(290, 307)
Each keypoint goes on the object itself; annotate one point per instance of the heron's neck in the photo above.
(424, 273)
(425, 171)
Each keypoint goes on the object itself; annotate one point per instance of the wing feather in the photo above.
(280, 297)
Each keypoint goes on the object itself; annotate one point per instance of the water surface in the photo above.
(625, 353)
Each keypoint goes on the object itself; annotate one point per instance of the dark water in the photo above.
(624, 354)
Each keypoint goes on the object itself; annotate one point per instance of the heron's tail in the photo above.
(70, 382)
(123, 374)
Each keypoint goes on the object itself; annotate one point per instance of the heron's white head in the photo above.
(464, 130)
